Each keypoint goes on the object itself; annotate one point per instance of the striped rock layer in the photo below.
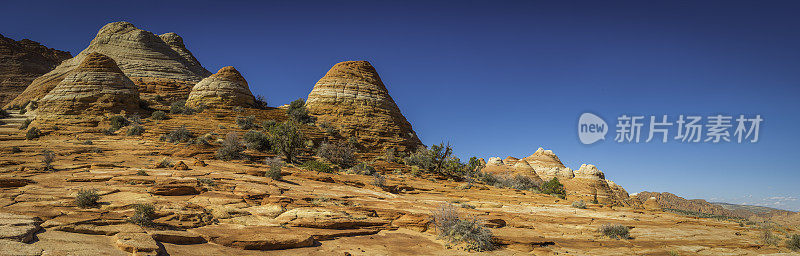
(352, 98)
(95, 87)
(158, 64)
(587, 183)
(21, 62)
(225, 89)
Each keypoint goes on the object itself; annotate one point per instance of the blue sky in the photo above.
(499, 78)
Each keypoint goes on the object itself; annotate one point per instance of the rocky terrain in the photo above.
(21, 62)
(352, 98)
(157, 64)
(106, 164)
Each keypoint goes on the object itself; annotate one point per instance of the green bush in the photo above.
(363, 169)
(33, 133)
(118, 122)
(87, 198)
(181, 134)
(135, 130)
(275, 166)
(378, 180)
(256, 140)
(768, 238)
(793, 243)
(25, 124)
(159, 115)
(518, 181)
(231, 148)
(615, 231)
(470, 233)
(266, 125)
(554, 187)
(579, 204)
(48, 157)
(339, 154)
(178, 107)
(246, 122)
(297, 112)
(143, 215)
(286, 140)
(313, 165)
(261, 102)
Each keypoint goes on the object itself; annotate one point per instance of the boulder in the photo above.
(181, 166)
(353, 99)
(225, 89)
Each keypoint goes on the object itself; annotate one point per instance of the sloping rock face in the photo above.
(587, 183)
(158, 64)
(666, 200)
(352, 97)
(225, 89)
(97, 86)
(21, 62)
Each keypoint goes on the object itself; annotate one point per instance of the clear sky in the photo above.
(500, 78)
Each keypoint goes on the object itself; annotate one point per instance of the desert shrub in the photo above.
(438, 159)
(15, 150)
(135, 119)
(135, 130)
(25, 124)
(579, 204)
(181, 134)
(204, 140)
(142, 173)
(256, 140)
(518, 181)
(768, 238)
(297, 112)
(87, 198)
(266, 125)
(118, 122)
(206, 182)
(33, 133)
(793, 243)
(363, 169)
(261, 102)
(48, 157)
(143, 215)
(4, 113)
(467, 206)
(554, 187)
(177, 107)
(231, 148)
(615, 231)
(286, 140)
(159, 115)
(275, 166)
(468, 233)
(246, 122)
(164, 163)
(390, 155)
(338, 154)
(328, 128)
(23, 110)
(314, 165)
(378, 180)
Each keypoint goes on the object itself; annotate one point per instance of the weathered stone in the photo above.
(151, 62)
(352, 98)
(181, 166)
(179, 189)
(176, 237)
(225, 89)
(18, 228)
(21, 62)
(14, 182)
(136, 242)
(14, 248)
(96, 87)
(255, 238)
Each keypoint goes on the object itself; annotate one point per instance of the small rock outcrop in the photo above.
(155, 65)
(543, 159)
(21, 62)
(352, 98)
(97, 86)
(225, 89)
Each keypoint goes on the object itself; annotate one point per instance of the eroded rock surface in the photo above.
(21, 62)
(225, 89)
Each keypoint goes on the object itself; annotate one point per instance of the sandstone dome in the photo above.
(543, 159)
(352, 98)
(147, 59)
(225, 89)
(96, 86)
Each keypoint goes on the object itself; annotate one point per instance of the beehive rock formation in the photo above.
(96, 87)
(352, 98)
(225, 89)
(157, 64)
(21, 62)
(587, 183)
